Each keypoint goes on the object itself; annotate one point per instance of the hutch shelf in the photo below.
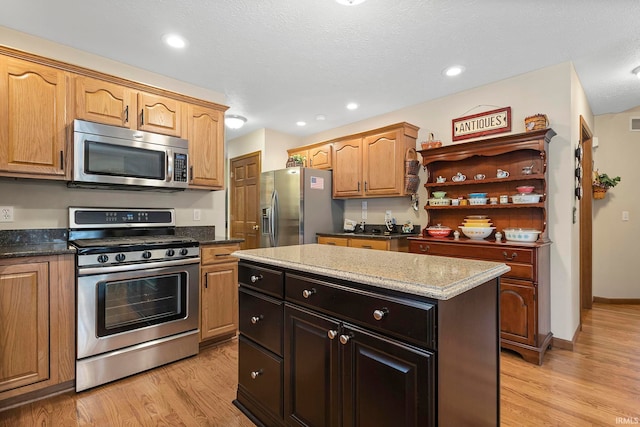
(524, 291)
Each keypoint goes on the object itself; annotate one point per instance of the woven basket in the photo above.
(411, 183)
(599, 192)
(536, 122)
(411, 163)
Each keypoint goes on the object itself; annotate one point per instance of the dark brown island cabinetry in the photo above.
(320, 351)
(525, 295)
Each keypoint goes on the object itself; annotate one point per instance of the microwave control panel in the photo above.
(180, 168)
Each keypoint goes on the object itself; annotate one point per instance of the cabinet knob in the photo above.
(308, 292)
(332, 334)
(255, 278)
(379, 314)
(256, 374)
(509, 258)
(344, 339)
(423, 248)
(256, 319)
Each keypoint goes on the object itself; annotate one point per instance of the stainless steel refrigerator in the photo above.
(295, 204)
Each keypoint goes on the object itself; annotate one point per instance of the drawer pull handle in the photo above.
(367, 247)
(332, 334)
(256, 374)
(424, 248)
(331, 243)
(225, 254)
(379, 314)
(308, 292)
(509, 258)
(256, 319)
(255, 278)
(344, 339)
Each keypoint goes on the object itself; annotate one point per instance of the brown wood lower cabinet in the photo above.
(525, 319)
(37, 327)
(218, 292)
(381, 244)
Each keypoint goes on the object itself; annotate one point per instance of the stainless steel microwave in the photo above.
(116, 157)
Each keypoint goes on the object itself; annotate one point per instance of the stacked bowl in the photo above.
(477, 227)
(477, 198)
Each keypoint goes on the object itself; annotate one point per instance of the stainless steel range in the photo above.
(137, 292)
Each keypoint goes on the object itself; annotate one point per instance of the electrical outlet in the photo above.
(6, 213)
(196, 214)
(625, 215)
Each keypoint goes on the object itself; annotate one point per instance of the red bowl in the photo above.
(438, 232)
(525, 189)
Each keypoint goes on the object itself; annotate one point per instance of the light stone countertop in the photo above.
(431, 276)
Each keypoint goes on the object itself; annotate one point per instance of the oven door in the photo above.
(120, 309)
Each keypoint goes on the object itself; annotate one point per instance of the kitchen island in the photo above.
(357, 337)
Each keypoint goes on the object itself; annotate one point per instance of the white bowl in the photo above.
(521, 234)
(478, 201)
(477, 233)
(440, 202)
(526, 198)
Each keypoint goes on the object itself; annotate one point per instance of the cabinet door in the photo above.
(312, 375)
(518, 308)
(385, 383)
(159, 114)
(219, 300)
(105, 102)
(32, 119)
(320, 157)
(206, 147)
(347, 168)
(383, 169)
(24, 324)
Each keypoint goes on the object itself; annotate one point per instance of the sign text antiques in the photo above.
(487, 123)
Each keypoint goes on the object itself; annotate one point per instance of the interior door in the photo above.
(586, 219)
(245, 199)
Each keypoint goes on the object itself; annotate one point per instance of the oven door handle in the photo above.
(85, 271)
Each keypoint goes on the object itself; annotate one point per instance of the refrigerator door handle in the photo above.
(275, 218)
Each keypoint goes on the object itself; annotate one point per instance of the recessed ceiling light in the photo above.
(321, 117)
(352, 106)
(301, 123)
(350, 2)
(233, 121)
(636, 71)
(453, 70)
(174, 40)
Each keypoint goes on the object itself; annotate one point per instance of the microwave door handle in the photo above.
(169, 165)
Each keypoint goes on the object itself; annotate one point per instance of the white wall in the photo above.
(43, 204)
(549, 91)
(614, 240)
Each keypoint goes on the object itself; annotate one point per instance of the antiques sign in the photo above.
(487, 123)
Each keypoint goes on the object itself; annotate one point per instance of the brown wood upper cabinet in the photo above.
(113, 104)
(206, 147)
(371, 164)
(33, 120)
(317, 156)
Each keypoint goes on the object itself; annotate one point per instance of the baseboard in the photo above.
(566, 344)
(603, 300)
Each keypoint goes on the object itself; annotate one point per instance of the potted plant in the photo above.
(601, 183)
(296, 160)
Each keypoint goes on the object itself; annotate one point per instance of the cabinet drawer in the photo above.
(262, 279)
(410, 320)
(261, 319)
(213, 254)
(521, 271)
(260, 375)
(335, 241)
(382, 245)
(473, 251)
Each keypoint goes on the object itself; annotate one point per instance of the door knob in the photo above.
(256, 227)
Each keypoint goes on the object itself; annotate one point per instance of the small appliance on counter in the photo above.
(349, 225)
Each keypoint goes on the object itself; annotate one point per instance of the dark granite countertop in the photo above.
(53, 241)
(34, 242)
(374, 231)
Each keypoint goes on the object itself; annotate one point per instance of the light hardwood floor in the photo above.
(598, 384)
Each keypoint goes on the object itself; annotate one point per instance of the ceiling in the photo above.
(282, 61)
